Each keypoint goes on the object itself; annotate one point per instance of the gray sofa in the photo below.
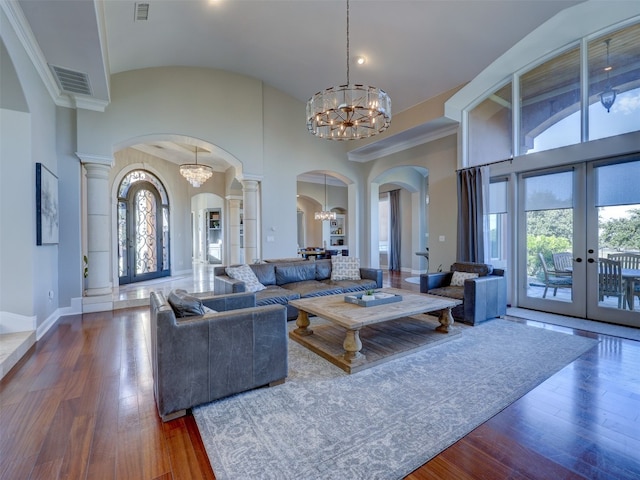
(200, 358)
(292, 280)
(484, 297)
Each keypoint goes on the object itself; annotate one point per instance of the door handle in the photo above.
(591, 260)
(578, 260)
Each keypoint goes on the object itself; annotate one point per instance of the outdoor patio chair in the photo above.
(626, 259)
(629, 261)
(552, 279)
(563, 264)
(610, 280)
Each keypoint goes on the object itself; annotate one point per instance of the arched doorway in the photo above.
(143, 228)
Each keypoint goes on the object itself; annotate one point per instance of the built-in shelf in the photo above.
(337, 233)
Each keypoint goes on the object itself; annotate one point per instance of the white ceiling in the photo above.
(415, 49)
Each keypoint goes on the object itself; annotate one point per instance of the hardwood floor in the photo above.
(80, 405)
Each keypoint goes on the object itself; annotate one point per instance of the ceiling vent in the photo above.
(141, 11)
(71, 81)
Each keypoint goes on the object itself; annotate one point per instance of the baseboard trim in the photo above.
(47, 324)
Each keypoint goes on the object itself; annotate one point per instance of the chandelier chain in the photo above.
(348, 47)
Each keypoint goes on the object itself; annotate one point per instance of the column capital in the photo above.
(249, 185)
(97, 170)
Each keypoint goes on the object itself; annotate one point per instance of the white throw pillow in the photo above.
(245, 274)
(458, 278)
(345, 268)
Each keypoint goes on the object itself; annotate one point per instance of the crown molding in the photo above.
(395, 147)
(90, 103)
(24, 33)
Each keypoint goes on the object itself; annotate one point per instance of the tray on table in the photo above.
(381, 299)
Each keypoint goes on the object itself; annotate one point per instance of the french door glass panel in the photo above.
(549, 221)
(614, 231)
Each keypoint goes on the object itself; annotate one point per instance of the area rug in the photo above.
(415, 280)
(384, 422)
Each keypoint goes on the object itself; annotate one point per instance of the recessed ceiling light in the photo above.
(360, 60)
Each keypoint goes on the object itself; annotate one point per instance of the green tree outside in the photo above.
(621, 233)
(549, 232)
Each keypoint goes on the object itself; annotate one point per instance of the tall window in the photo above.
(490, 127)
(549, 96)
(549, 109)
(619, 71)
(383, 223)
(498, 223)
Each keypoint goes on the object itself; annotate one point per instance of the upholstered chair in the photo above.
(482, 289)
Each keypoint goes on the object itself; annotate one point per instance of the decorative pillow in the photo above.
(459, 277)
(245, 274)
(185, 305)
(345, 268)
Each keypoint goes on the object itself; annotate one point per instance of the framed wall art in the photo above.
(47, 214)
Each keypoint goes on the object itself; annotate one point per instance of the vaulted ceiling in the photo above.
(414, 49)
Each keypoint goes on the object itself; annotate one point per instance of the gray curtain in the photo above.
(395, 230)
(471, 215)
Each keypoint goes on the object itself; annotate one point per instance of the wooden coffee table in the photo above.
(393, 330)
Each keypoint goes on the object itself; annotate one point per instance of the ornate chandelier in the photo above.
(348, 112)
(608, 96)
(196, 174)
(325, 214)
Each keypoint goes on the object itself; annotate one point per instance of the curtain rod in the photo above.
(486, 164)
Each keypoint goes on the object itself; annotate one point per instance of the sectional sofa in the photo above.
(284, 281)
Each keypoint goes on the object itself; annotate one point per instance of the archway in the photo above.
(411, 182)
(324, 190)
(161, 156)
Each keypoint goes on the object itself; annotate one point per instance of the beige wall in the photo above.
(440, 158)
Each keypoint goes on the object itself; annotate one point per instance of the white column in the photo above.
(234, 230)
(98, 231)
(250, 207)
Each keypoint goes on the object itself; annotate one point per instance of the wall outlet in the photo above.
(50, 294)
(271, 238)
(441, 238)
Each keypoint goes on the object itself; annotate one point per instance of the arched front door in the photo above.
(143, 228)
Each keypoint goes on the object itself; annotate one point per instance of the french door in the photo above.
(570, 221)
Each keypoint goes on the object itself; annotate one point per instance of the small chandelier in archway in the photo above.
(325, 214)
(196, 174)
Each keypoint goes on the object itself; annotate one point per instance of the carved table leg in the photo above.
(303, 323)
(352, 346)
(445, 319)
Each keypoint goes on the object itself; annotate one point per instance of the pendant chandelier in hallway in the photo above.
(325, 214)
(196, 174)
(348, 112)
